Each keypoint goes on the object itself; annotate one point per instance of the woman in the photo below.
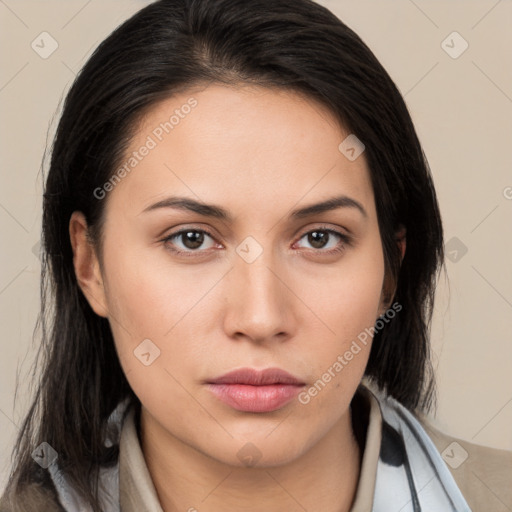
(242, 240)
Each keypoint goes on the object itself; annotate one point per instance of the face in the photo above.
(257, 279)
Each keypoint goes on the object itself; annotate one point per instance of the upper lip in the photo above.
(254, 377)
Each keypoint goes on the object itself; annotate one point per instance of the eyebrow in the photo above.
(211, 210)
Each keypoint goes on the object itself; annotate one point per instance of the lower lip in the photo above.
(255, 398)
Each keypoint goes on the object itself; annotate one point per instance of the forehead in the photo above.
(247, 145)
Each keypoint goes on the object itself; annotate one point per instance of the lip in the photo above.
(252, 390)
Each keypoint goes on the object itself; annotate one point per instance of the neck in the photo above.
(322, 478)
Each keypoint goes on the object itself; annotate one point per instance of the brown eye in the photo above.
(192, 239)
(318, 239)
(325, 240)
(189, 241)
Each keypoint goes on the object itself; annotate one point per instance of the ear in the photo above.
(86, 264)
(389, 289)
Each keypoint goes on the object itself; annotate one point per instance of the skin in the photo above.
(258, 153)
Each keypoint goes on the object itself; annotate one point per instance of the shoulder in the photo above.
(483, 475)
(473, 477)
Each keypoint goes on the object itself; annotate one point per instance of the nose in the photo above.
(260, 306)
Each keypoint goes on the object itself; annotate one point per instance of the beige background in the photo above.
(462, 109)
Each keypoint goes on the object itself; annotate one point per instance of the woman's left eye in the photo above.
(323, 239)
(190, 241)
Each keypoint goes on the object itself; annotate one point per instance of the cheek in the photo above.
(159, 315)
(348, 304)
(149, 294)
(347, 296)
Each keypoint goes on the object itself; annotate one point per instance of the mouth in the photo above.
(252, 390)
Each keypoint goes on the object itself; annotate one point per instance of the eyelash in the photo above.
(345, 241)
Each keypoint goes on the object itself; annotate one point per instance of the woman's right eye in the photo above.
(191, 241)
